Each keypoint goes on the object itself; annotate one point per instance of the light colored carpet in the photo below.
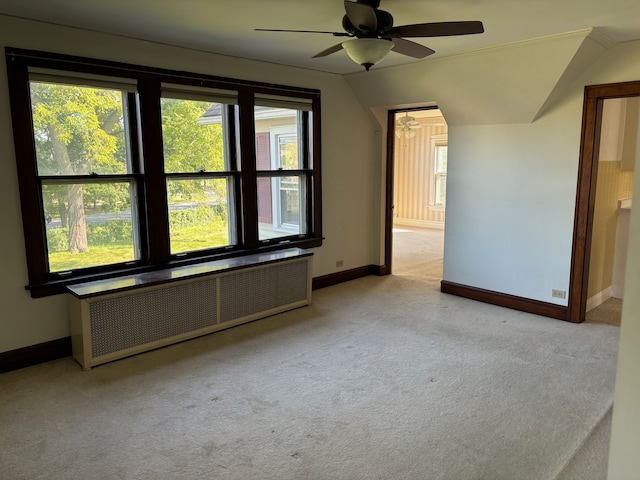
(609, 312)
(591, 460)
(381, 378)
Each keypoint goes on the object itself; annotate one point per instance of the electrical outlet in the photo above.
(339, 263)
(559, 293)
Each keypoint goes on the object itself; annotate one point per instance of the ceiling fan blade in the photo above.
(438, 29)
(335, 34)
(328, 51)
(411, 49)
(362, 16)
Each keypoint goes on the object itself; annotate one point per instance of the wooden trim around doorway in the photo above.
(594, 96)
(386, 269)
(388, 209)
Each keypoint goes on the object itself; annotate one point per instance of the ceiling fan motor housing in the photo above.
(384, 25)
(371, 3)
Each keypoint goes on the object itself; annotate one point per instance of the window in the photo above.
(439, 150)
(440, 174)
(123, 168)
(283, 170)
(199, 175)
(85, 174)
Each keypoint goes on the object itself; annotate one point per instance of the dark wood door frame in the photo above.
(594, 96)
(389, 193)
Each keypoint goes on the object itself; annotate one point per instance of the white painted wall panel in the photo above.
(511, 194)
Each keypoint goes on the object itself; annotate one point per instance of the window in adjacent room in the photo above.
(439, 180)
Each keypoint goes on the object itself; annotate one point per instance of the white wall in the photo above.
(347, 154)
(511, 183)
(510, 205)
(502, 85)
(624, 461)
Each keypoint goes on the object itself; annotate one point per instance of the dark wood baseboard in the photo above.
(35, 354)
(60, 348)
(345, 276)
(505, 300)
(379, 270)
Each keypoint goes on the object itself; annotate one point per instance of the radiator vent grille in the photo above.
(247, 293)
(152, 315)
(109, 322)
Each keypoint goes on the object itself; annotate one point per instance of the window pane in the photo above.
(78, 130)
(281, 206)
(193, 136)
(287, 152)
(441, 159)
(89, 225)
(441, 189)
(199, 214)
(277, 134)
(440, 174)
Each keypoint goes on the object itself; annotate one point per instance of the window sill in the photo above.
(59, 286)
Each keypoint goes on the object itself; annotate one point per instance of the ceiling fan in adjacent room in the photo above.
(406, 126)
(373, 35)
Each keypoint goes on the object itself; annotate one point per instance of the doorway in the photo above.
(591, 148)
(610, 232)
(416, 191)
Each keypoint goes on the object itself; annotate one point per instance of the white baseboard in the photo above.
(617, 291)
(418, 223)
(599, 298)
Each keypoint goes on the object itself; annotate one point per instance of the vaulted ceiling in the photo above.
(227, 26)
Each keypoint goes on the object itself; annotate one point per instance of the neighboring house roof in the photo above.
(213, 115)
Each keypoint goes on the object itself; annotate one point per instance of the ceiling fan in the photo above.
(406, 126)
(373, 34)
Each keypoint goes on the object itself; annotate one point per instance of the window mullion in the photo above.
(157, 216)
(315, 191)
(134, 146)
(308, 178)
(248, 190)
(30, 190)
(231, 138)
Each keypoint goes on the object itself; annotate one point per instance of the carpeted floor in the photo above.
(381, 378)
(419, 251)
(610, 311)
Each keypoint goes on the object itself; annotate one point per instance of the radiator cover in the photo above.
(114, 324)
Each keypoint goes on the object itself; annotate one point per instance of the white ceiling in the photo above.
(227, 26)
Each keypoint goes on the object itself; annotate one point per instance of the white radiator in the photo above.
(116, 318)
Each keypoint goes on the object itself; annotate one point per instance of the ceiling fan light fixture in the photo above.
(367, 51)
(406, 126)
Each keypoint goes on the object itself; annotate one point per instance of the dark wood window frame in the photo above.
(154, 234)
